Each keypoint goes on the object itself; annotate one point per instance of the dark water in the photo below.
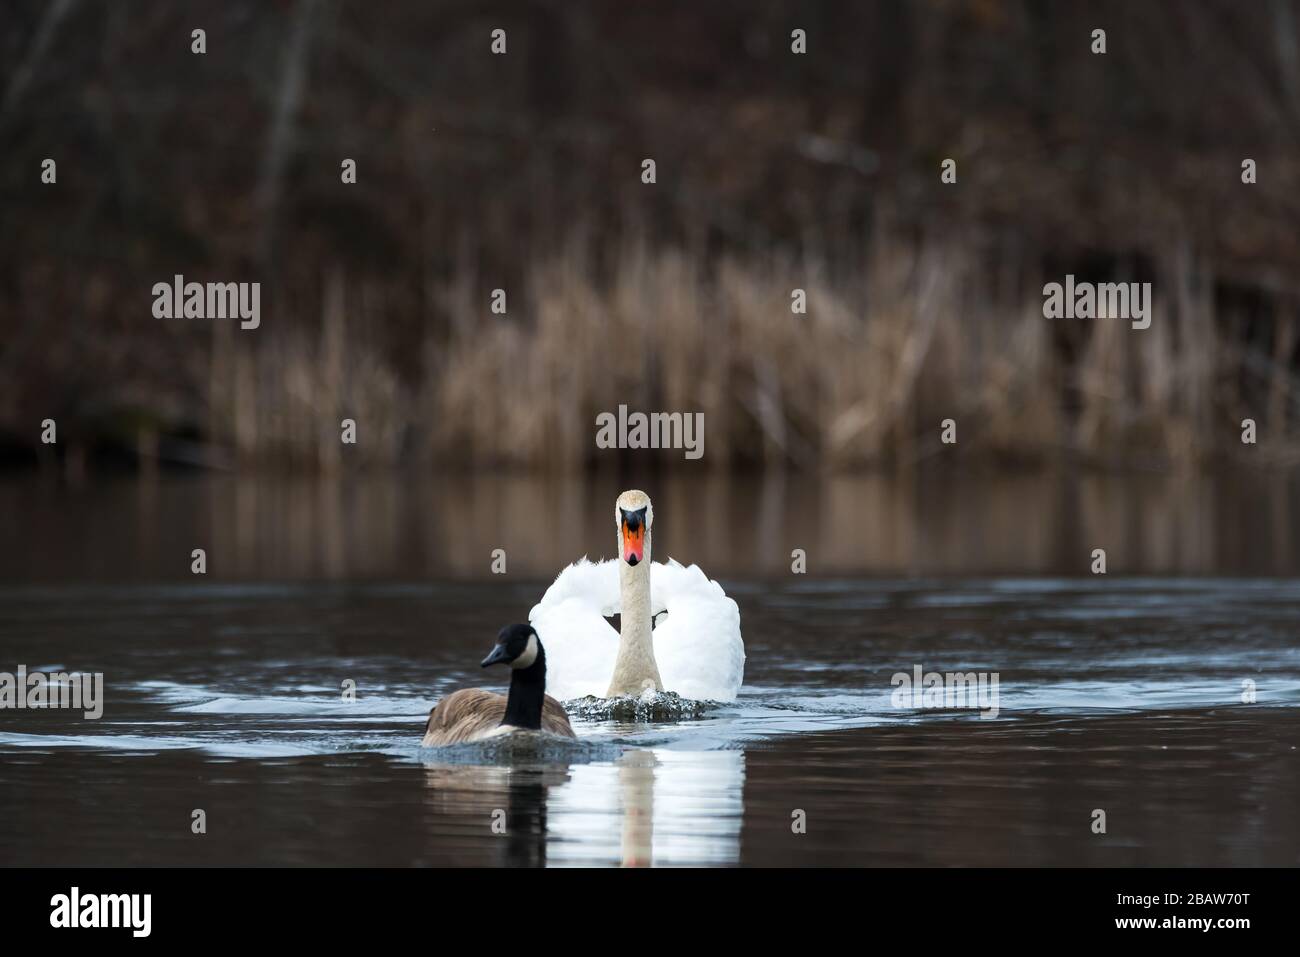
(417, 527)
(1120, 694)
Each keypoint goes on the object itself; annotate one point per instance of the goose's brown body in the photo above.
(472, 714)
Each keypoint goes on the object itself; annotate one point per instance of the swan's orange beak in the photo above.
(633, 542)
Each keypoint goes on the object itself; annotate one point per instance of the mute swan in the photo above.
(695, 650)
(472, 714)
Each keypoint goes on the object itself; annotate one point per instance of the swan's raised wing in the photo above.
(698, 646)
(570, 619)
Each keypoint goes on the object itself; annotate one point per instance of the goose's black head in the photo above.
(517, 646)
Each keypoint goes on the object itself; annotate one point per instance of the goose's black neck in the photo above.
(527, 691)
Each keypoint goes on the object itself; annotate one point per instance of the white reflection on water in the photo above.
(648, 808)
(654, 807)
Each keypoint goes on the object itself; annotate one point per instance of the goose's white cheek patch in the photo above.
(528, 657)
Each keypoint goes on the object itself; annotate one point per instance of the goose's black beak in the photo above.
(498, 655)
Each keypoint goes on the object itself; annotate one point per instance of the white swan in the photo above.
(695, 649)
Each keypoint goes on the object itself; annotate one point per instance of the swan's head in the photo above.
(634, 515)
(517, 646)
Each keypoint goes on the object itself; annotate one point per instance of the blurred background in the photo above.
(775, 171)
(522, 172)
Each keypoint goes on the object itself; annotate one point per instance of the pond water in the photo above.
(1123, 694)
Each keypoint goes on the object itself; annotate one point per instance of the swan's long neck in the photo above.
(635, 668)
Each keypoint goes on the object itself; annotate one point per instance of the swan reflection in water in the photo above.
(649, 807)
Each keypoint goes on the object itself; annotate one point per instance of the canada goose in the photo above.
(695, 649)
(472, 714)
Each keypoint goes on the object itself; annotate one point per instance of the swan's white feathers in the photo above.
(697, 643)
(581, 645)
(594, 583)
(698, 646)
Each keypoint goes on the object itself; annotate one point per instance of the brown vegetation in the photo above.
(775, 172)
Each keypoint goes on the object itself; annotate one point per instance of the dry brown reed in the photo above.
(911, 334)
